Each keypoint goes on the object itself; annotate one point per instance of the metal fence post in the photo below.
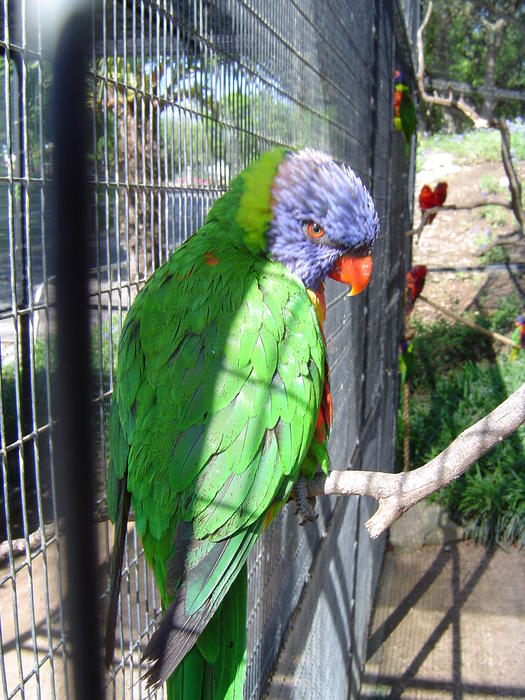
(74, 465)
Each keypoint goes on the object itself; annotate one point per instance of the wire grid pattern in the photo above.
(32, 645)
(183, 95)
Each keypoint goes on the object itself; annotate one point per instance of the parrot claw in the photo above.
(305, 505)
(309, 518)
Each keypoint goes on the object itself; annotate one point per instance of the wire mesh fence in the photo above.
(181, 95)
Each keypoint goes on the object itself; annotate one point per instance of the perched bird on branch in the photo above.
(415, 281)
(405, 117)
(430, 198)
(222, 406)
(518, 335)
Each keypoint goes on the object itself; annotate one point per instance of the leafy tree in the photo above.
(480, 43)
(495, 18)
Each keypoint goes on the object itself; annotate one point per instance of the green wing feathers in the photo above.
(219, 383)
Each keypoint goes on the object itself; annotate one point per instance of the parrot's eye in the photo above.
(313, 229)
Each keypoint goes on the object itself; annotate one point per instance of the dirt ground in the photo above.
(451, 246)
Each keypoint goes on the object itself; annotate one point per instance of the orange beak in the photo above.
(353, 271)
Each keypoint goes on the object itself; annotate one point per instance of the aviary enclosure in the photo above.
(181, 95)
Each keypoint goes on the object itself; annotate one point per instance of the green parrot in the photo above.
(222, 405)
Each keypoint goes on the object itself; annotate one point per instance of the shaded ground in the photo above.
(449, 618)
(449, 623)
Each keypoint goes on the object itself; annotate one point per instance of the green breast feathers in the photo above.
(220, 378)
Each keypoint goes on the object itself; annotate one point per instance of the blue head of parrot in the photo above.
(324, 221)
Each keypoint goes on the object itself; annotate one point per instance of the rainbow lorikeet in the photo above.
(415, 282)
(518, 335)
(405, 117)
(406, 360)
(222, 403)
(430, 198)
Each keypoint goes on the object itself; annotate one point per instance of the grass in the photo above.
(498, 254)
(502, 319)
(488, 183)
(479, 146)
(459, 376)
(495, 216)
(457, 379)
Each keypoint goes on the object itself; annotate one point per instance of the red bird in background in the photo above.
(415, 283)
(429, 198)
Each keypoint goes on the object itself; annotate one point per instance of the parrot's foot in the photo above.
(305, 505)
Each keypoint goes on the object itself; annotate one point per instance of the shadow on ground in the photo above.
(449, 623)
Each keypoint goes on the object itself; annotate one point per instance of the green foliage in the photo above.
(494, 215)
(24, 490)
(104, 348)
(489, 184)
(479, 146)
(497, 254)
(38, 80)
(456, 41)
(502, 320)
(456, 382)
(441, 347)
(103, 361)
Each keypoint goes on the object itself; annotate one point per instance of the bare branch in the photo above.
(425, 214)
(21, 545)
(512, 176)
(491, 334)
(500, 244)
(475, 205)
(396, 493)
(451, 100)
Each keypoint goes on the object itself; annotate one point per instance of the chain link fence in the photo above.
(181, 95)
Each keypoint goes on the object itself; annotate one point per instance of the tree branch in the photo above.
(396, 493)
(451, 100)
(512, 176)
(22, 545)
(490, 334)
(510, 17)
(425, 213)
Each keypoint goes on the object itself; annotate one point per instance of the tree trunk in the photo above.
(137, 157)
(496, 32)
(512, 176)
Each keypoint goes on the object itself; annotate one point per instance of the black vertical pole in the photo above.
(22, 251)
(74, 466)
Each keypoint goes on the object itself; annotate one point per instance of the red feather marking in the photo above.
(211, 259)
(326, 409)
(398, 97)
(270, 515)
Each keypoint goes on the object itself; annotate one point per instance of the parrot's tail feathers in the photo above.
(199, 590)
(173, 639)
(215, 666)
(117, 556)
